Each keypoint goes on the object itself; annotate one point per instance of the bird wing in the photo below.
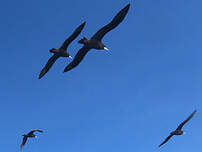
(73, 36)
(48, 65)
(77, 59)
(115, 22)
(185, 121)
(23, 142)
(41, 131)
(32, 132)
(166, 140)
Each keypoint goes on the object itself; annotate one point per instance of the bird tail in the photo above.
(83, 40)
(53, 50)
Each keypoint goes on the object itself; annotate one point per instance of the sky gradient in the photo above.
(125, 101)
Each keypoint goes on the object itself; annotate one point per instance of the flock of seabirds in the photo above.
(95, 42)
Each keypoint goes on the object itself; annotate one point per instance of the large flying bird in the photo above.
(29, 135)
(95, 42)
(178, 131)
(62, 51)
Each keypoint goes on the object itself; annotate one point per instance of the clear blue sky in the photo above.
(125, 101)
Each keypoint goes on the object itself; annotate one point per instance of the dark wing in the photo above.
(166, 140)
(77, 59)
(48, 65)
(41, 131)
(115, 22)
(73, 36)
(184, 122)
(23, 142)
(32, 132)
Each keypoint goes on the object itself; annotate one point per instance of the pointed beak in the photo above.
(105, 48)
(70, 57)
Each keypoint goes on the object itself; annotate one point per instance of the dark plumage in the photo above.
(178, 131)
(29, 135)
(62, 51)
(95, 42)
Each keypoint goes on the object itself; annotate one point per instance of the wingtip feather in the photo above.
(41, 75)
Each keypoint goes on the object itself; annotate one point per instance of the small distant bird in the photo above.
(95, 42)
(62, 51)
(29, 135)
(178, 131)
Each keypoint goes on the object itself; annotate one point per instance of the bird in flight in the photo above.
(62, 51)
(29, 135)
(95, 42)
(178, 131)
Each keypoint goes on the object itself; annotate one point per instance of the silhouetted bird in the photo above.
(95, 42)
(29, 135)
(178, 131)
(62, 51)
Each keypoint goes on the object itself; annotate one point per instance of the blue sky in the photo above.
(125, 101)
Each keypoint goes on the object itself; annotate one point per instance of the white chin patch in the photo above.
(70, 57)
(105, 48)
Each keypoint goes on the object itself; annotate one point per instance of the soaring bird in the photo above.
(95, 42)
(29, 135)
(62, 51)
(178, 131)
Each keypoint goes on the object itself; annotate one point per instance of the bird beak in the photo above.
(70, 57)
(105, 48)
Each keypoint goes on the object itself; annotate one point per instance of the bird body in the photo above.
(30, 136)
(95, 42)
(177, 132)
(60, 52)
